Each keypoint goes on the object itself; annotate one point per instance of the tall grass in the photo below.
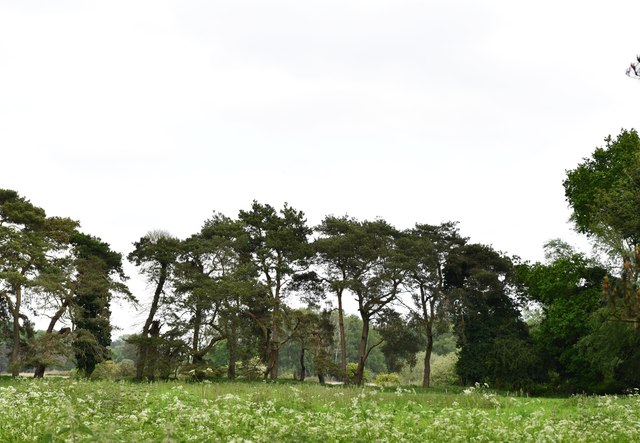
(60, 410)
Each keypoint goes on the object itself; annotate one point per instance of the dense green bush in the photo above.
(106, 370)
(127, 368)
(387, 380)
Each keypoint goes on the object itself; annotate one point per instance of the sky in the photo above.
(130, 116)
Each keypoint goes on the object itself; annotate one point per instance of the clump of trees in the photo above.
(222, 300)
(47, 264)
(226, 290)
(230, 284)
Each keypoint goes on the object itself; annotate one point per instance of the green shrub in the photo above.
(127, 368)
(205, 371)
(105, 370)
(351, 373)
(251, 369)
(387, 380)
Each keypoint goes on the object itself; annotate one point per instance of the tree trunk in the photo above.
(197, 321)
(343, 344)
(274, 345)
(142, 357)
(426, 377)
(39, 371)
(303, 370)
(232, 345)
(152, 351)
(362, 352)
(319, 367)
(272, 364)
(15, 352)
(144, 343)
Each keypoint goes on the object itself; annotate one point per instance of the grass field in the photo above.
(56, 410)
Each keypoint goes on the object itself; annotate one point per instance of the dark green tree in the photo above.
(402, 339)
(199, 296)
(494, 342)
(610, 356)
(66, 278)
(239, 286)
(99, 275)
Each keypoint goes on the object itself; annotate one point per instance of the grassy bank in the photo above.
(68, 410)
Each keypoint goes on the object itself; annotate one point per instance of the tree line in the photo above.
(568, 324)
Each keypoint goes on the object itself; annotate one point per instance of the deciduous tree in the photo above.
(604, 195)
(567, 288)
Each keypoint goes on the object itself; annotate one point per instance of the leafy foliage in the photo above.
(604, 193)
(494, 342)
(567, 288)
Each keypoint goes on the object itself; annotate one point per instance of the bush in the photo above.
(251, 369)
(387, 380)
(351, 373)
(205, 371)
(127, 368)
(105, 370)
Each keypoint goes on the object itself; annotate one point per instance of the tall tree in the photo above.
(238, 285)
(99, 275)
(335, 248)
(155, 254)
(427, 249)
(494, 342)
(28, 241)
(278, 248)
(604, 194)
(374, 277)
(212, 285)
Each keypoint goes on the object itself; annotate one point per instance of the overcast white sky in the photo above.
(137, 115)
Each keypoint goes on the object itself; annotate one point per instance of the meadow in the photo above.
(66, 410)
